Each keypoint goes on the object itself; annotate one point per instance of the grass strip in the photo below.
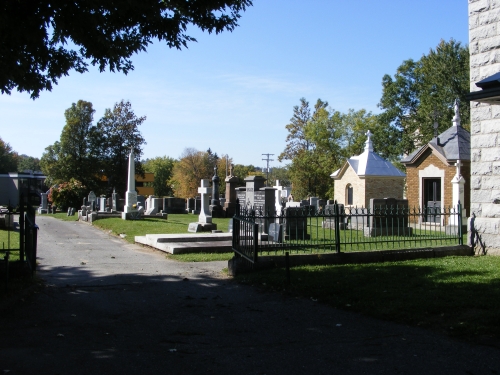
(458, 296)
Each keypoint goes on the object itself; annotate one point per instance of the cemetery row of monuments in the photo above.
(279, 217)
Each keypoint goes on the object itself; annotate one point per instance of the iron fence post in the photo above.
(459, 209)
(255, 242)
(22, 221)
(337, 227)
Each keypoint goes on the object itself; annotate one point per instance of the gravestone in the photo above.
(230, 202)
(173, 205)
(329, 219)
(102, 204)
(241, 196)
(389, 216)
(314, 201)
(276, 232)
(92, 201)
(295, 222)
(215, 206)
(204, 223)
(43, 204)
(190, 202)
(114, 201)
(151, 206)
(253, 184)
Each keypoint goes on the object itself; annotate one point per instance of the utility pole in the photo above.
(267, 169)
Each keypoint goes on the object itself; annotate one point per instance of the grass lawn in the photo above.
(458, 296)
(9, 240)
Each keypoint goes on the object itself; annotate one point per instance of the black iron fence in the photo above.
(336, 228)
(27, 233)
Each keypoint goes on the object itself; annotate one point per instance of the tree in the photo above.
(118, 133)
(162, 167)
(76, 154)
(423, 92)
(193, 166)
(320, 143)
(8, 158)
(67, 194)
(28, 163)
(43, 40)
(296, 140)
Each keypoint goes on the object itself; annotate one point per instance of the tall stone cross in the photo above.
(204, 191)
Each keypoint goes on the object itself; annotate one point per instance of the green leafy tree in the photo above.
(243, 171)
(323, 143)
(28, 163)
(162, 167)
(76, 154)
(423, 92)
(118, 133)
(43, 40)
(8, 158)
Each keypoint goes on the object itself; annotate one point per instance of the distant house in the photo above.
(144, 185)
(12, 185)
(367, 176)
(431, 169)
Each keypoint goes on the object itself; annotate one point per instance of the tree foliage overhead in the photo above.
(423, 92)
(41, 41)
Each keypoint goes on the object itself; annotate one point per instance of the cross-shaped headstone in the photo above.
(204, 191)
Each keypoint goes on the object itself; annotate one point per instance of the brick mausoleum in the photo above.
(431, 169)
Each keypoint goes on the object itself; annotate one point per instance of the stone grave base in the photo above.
(453, 229)
(376, 232)
(133, 215)
(201, 227)
(330, 224)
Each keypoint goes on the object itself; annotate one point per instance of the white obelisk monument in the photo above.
(131, 194)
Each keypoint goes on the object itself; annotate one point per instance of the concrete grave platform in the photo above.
(188, 243)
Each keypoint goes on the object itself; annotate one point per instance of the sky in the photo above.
(234, 92)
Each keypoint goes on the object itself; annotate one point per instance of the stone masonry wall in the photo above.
(383, 187)
(358, 184)
(484, 45)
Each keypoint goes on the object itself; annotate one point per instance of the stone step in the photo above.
(188, 243)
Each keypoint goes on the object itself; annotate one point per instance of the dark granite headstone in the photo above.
(276, 232)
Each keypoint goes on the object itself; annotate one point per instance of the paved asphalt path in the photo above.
(114, 308)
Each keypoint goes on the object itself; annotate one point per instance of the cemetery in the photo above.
(266, 219)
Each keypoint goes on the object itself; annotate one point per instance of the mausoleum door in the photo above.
(432, 199)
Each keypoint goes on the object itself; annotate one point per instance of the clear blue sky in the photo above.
(235, 92)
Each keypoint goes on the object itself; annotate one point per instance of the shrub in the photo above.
(67, 194)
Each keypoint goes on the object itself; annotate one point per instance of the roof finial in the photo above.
(456, 118)
(369, 144)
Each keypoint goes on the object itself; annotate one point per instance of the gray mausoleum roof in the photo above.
(451, 145)
(369, 164)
